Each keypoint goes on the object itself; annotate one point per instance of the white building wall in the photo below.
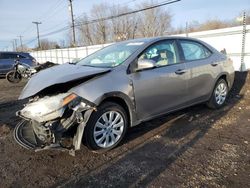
(231, 40)
(228, 38)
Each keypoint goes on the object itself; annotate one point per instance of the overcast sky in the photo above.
(16, 16)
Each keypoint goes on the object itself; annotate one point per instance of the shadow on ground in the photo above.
(174, 135)
(148, 150)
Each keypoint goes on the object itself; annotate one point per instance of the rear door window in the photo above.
(193, 50)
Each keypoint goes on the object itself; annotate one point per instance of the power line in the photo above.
(72, 22)
(107, 18)
(112, 17)
(47, 15)
(30, 41)
(51, 12)
(128, 13)
(56, 31)
(112, 6)
(55, 26)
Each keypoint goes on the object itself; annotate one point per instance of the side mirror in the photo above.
(75, 60)
(144, 64)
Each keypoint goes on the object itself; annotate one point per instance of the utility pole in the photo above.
(244, 30)
(21, 41)
(186, 30)
(37, 29)
(15, 44)
(72, 22)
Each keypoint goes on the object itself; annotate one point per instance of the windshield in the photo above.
(111, 56)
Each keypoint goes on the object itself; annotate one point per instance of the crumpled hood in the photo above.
(58, 75)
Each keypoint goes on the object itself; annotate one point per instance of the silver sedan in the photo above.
(98, 98)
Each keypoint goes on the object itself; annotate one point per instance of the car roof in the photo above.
(9, 52)
(155, 39)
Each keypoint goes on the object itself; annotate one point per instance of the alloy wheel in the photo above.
(221, 93)
(108, 129)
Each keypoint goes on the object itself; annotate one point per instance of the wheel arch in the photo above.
(124, 101)
(222, 75)
(225, 76)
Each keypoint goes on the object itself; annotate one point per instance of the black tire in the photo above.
(13, 77)
(212, 103)
(89, 129)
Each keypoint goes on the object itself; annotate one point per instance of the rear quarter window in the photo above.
(194, 51)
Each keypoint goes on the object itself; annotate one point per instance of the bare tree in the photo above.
(239, 18)
(86, 31)
(213, 24)
(23, 48)
(123, 27)
(248, 17)
(45, 44)
(154, 22)
(100, 28)
(150, 23)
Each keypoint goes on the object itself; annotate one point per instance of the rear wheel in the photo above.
(13, 77)
(219, 95)
(106, 127)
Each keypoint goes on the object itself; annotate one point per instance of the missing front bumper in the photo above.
(25, 136)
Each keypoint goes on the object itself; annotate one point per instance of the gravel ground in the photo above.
(195, 147)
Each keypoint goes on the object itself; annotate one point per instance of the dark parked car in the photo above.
(7, 60)
(122, 85)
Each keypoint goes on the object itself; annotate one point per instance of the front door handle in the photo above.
(214, 64)
(180, 71)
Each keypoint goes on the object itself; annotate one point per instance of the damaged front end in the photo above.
(53, 122)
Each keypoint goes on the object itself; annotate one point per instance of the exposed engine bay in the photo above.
(53, 122)
(54, 117)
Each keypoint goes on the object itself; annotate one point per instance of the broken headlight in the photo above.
(47, 108)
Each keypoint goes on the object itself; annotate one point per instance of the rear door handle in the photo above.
(180, 71)
(214, 64)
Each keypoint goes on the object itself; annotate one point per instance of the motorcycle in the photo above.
(22, 70)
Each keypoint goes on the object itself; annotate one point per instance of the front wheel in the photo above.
(219, 95)
(106, 127)
(13, 77)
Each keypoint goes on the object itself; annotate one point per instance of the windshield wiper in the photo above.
(96, 66)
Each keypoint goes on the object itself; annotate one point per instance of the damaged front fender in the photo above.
(53, 77)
